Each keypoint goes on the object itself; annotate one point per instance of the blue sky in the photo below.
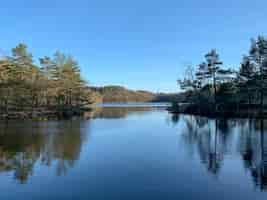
(140, 44)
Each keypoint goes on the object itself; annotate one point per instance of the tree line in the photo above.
(54, 83)
(211, 87)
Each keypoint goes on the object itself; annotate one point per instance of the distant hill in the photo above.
(121, 94)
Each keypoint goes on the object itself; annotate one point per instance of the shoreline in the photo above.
(252, 114)
(40, 114)
(44, 114)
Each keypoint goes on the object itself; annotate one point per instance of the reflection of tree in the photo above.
(254, 152)
(210, 139)
(175, 118)
(210, 148)
(192, 132)
(64, 147)
(19, 150)
(22, 145)
(214, 138)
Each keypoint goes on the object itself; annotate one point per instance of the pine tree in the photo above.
(213, 63)
(56, 83)
(246, 78)
(258, 55)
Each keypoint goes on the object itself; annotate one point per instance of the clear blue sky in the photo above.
(141, 44)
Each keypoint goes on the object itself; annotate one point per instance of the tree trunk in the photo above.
(215, 93)
(249, 98)
(261, 100)
(33, 100)
(6, 103)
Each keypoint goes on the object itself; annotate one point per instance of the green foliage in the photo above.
(56, 83)
(248, 87)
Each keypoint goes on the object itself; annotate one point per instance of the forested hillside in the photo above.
(111, 94)
(120, 94)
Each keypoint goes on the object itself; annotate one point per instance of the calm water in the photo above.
(134, 153)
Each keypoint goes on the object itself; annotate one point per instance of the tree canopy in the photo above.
(52, 83)
(223, 87)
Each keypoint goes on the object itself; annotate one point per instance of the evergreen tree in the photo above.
(246, 78)
(213, 63)
(258, 55)
(56, 83)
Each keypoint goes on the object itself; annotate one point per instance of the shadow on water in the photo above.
(213, 139)
(23, 144)
(56, 144)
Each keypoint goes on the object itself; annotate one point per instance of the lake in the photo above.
(135, 152)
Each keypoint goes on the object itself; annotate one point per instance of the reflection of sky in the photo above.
(144, 156)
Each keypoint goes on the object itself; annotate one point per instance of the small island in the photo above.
(216, 91)
(54, 87)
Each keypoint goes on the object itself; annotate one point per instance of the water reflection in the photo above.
(254, 152)
(136, 156)
(23, 144)
(57, 144)
(119, 112)
(213, 140)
